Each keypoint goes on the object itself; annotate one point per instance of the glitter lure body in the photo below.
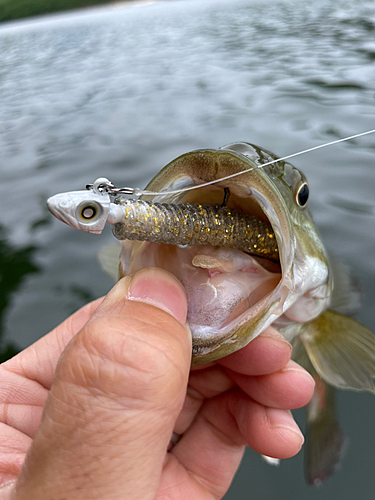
(187, 224)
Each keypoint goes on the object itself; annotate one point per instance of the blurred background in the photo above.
(122, 89)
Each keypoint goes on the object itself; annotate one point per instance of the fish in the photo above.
(234, 291)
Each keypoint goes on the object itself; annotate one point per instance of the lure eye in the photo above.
(302, 194)
(88, 212)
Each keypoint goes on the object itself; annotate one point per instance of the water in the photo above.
(119, 92)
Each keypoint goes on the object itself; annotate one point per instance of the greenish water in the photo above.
(119, 92)
(16, 9)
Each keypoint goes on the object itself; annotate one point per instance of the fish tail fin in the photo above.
(341, 350)
(325, 442)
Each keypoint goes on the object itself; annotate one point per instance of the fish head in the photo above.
(232, 295)
(85, 210)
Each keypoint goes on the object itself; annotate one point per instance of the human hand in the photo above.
(112, 381)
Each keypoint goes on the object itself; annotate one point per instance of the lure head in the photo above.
(233, 296)
(85, 210)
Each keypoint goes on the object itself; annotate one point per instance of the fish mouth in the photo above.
(232, 294)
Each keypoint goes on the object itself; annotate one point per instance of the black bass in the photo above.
(234, 290)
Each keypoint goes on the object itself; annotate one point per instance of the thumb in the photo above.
(118, 389)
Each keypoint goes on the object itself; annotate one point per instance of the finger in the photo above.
(269, 431)
(26, 378)
(212, 447)
(202, 384)
(118, 389)
(21, 402)
(13, 447)
(192, 404)
(211, 379)
(210, 382)
(267, 353)
(289, 388)
(38, 362)
(210, 455)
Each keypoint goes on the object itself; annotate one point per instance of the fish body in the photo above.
(233, 295)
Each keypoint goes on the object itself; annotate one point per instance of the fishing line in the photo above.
(104, 185)
(139, 192)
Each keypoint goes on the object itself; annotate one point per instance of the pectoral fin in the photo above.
(341, 350)
(108, 257)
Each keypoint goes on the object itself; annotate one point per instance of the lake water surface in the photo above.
(119, 92)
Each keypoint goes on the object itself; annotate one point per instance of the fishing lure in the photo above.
(187, 224)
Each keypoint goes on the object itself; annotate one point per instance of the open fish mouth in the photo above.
(227, 289)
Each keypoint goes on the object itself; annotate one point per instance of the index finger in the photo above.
(267, 353)
(38, 362)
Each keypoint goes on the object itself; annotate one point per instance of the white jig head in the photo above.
(85, 210)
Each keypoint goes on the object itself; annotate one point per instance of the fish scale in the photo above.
(196, 224)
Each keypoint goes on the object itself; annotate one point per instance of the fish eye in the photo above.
(302, 194)
(88, 212)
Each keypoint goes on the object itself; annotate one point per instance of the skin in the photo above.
(87, 412)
